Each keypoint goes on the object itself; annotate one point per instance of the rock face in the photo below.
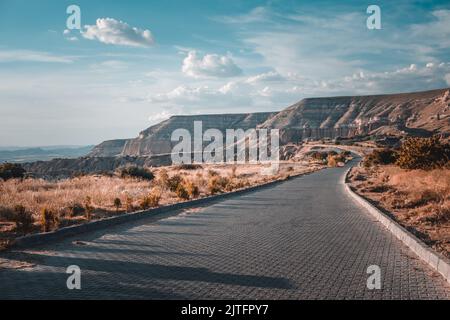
(156, 139)
(418, 113)
(109, 148)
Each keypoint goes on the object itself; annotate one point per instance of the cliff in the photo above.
(417, 113)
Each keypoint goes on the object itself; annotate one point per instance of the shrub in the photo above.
(192, 189)
(331, 161)
(154, 198)
(145, 203)
(49, 220)
(117, 204)
(136, 172)
(23, 219)
(217, 184)
(423, 153)
(380, 157)
(163, 178)
(212, 173)
(182, 192)
(88, 208)
(11, 171)
(129, 203)
(76, 209)
(317, 155)
(173, 182)
(186, 166)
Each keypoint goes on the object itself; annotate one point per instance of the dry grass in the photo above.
(77, 200)
(418, 199)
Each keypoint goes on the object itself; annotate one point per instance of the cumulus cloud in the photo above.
(111, 31)
(210, 65)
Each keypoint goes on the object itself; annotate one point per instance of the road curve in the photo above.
(302, 239)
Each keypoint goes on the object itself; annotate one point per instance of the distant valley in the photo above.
(23, 154)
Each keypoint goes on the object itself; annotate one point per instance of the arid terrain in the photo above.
(419, 200)
(84, 198)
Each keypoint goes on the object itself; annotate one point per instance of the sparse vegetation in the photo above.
(423, 153)
(182, 192)
(23, 219)
(89, 197)
(380, 157)
(418, 199)
(49, 220)
(174, 181)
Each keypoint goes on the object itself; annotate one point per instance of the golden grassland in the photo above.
(55, 204)
(418, 199)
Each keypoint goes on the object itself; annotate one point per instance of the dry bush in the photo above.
(181, 192)
(174, 181)
(218, 184)
(192, 189)
(129, 203)
(186, 166)
(88, 208)
(23, 219)
(423, 153)
(380, 157)
(117, 204)
(154, 197)
(145, 203)
(136, 172)
(163, 179)
(151, 200)
(49, 220)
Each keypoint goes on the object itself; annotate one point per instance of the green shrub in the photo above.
(380, 157)
(423, 153)
(136, 172)
(11, 171)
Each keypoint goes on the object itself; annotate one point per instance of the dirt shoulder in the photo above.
(418, 200)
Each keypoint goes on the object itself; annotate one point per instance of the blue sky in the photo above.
(135, 63)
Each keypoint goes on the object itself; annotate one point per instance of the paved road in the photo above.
(302, 239)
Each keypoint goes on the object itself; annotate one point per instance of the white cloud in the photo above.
(447, 78)
(32, 56)
(111, 31)
(266, 77)
(210, 65)
(258, 14)
(161, 116)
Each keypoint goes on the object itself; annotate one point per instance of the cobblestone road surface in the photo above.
(302, 239)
